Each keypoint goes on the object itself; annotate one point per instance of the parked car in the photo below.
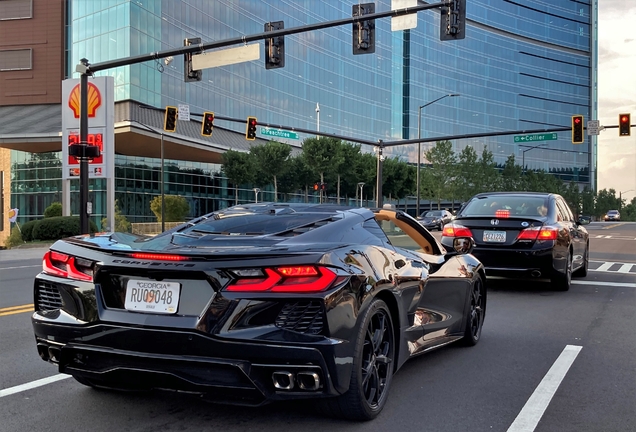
(435, 219)
(524, 234)
(612, 215)
(259, 303)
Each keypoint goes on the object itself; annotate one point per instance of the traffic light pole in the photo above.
(83, 188)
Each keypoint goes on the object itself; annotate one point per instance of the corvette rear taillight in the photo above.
(292, 279)
(66, 266)
(538, 233)
(453, 230)
(159, 257)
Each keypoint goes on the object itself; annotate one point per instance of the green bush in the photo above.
(55, 228)
(14, 239)
(54, 210)
(27, 230)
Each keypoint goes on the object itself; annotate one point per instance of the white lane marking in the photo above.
(33, 384)
(19, 267)
(606, 284)
(605, 266)
(625, 268)
(533, 410)
(608, 236)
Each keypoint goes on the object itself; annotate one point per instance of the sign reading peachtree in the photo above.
(279, 133)
(536, 137)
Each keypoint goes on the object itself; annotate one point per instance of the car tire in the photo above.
(561, 281)
(373, 365)
(582, 272)
(475, 314)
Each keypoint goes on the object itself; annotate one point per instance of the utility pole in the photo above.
(83, 213)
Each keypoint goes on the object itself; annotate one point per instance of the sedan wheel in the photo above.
(561, 281)
(582, 272)
(373, 364)
(476, 312)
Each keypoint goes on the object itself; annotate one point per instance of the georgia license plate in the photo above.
(152, 296)
(494, 236)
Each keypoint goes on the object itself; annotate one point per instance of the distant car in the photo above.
(435, 219)
(612, 215)
(259, 303)
(524, 234)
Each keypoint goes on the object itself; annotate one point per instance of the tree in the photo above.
(121, 223)
(587, 201)
(53, 210)
(272, 160)
(511, 175)
(606, 200)
(398, 177)
(488, 177)
(322, 155)
(239, 168)
(443, 165)
(467, 174)
(366, 172)
(346, 155)
(177, 208)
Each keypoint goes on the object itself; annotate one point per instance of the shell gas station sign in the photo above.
(100, 126)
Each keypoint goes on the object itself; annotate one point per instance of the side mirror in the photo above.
(584, 220)
(463, 245)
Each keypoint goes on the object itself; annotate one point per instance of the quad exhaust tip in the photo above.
(306, 380)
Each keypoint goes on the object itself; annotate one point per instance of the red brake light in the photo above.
(538, 233)
(502, 214)
(63, 265)
(456, 231)
(163, 257)
(297, 279)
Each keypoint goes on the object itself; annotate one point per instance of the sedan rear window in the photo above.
(511, 205)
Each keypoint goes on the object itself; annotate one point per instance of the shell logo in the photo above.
(94, 100)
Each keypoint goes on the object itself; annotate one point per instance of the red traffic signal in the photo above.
(577, 129)
(207, 124)
(323, 186)
(250, 130)
(624, 125)
(315, 186)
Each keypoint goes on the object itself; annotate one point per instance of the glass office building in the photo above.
(523, 65)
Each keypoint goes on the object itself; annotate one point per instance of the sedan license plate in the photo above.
(494, 236)
(152, 296)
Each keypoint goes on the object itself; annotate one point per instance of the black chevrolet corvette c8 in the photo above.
(257, 303)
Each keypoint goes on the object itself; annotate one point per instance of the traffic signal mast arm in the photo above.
(90, 69)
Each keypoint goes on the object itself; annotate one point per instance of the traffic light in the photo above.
(363, 31)
(207, 124)
(624, 125)
(250, 129)
(577, 129)
(190, 75)
(315, 186)
(170, 119)
(274, 47)
(453, 21)
(323, 186)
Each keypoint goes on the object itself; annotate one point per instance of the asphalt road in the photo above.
(574, 353)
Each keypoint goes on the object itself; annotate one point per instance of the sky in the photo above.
(617, 95)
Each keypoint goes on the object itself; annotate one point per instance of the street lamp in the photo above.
(523, 155)
(256, 191)
(162, 182)
(419, 146)
(317, 119)
(361, 186)
(620, 198)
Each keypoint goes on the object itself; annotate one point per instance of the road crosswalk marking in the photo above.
(613, 267)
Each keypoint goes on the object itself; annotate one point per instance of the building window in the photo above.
(18, 59)
(16, 9)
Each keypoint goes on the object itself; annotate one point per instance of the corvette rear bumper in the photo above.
(226, 371)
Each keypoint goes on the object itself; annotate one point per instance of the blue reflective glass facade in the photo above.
(524, 65)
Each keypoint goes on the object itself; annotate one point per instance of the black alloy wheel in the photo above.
(582, 272)
(476, 313)
(562, 281)
(373, 365)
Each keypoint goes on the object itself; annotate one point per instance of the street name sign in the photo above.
(279, 133)
(536, 137)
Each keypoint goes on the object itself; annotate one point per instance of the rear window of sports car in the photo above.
(256, 224)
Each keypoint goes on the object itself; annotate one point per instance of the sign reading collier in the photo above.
(101, 107)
